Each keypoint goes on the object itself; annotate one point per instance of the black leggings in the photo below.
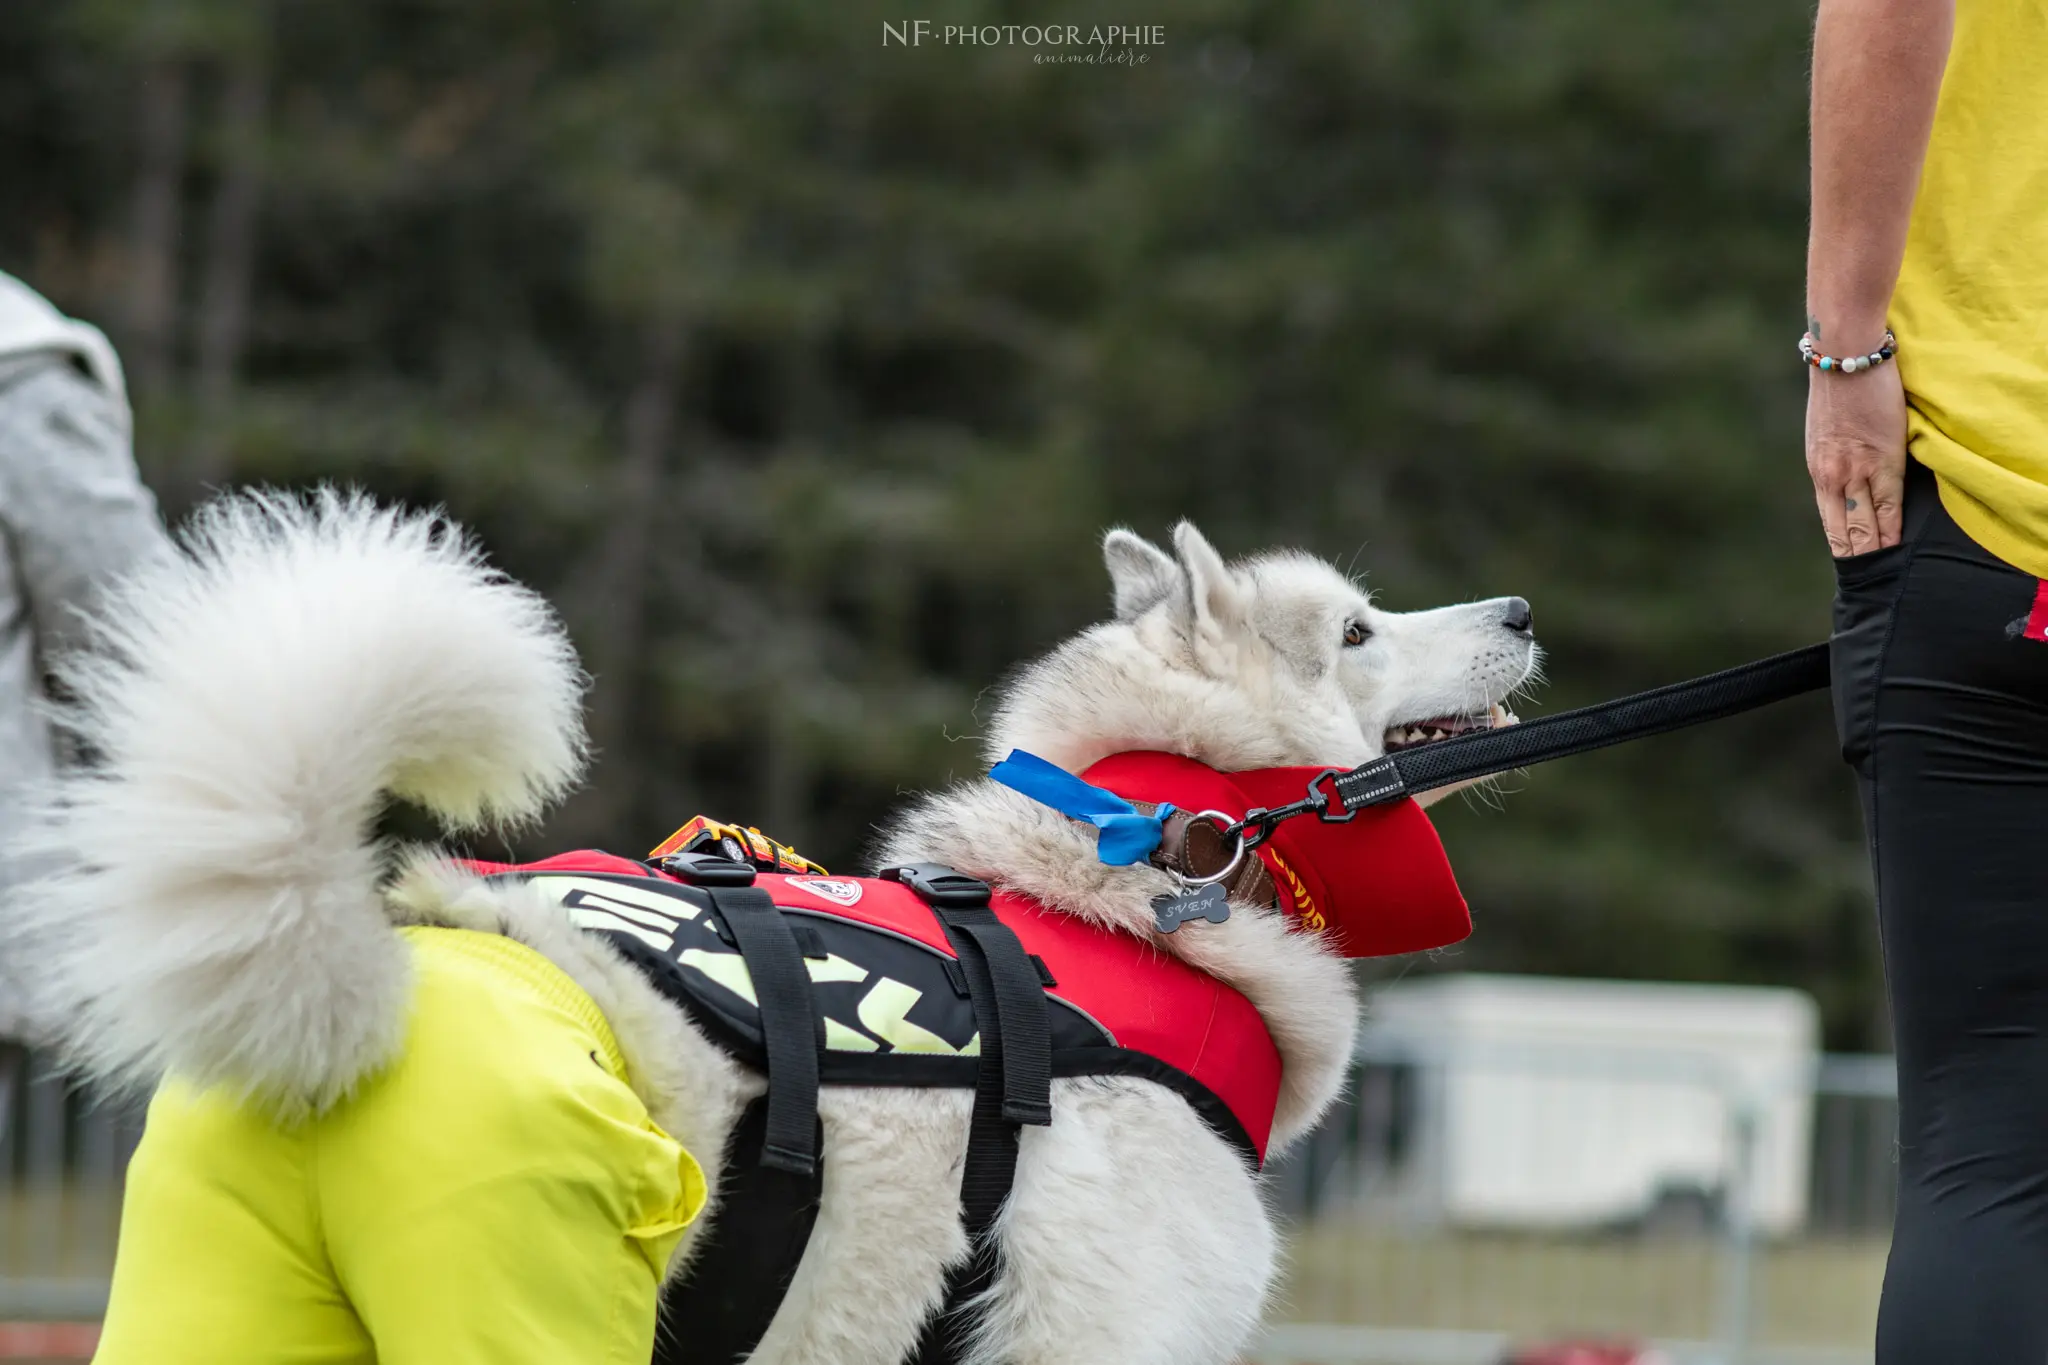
(1943, 711)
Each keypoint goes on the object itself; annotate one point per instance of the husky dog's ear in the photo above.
(1141, 575)
(1215, 597)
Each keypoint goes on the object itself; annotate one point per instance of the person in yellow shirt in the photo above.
(1927, 442)
(496, 1195)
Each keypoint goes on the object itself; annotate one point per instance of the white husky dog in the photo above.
(227, 916)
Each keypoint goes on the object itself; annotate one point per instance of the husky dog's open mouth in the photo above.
(1415, 733)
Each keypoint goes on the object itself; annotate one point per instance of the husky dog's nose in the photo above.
(1517, 617)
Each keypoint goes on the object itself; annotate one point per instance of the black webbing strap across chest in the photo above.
(792, 1030)
(1013, 1086)
(770, 1191)
(774, 1170)
(747, 1258)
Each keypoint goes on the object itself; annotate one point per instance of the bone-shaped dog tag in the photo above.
(1170, 912)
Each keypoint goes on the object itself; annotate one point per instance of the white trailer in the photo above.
(1546, 1103)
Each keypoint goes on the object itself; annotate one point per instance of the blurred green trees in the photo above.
(804, 372)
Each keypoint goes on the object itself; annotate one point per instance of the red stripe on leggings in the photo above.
(2037, 619)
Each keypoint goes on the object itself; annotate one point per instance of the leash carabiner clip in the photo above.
(1323, 804)
(1256, 825)
(1230, 829)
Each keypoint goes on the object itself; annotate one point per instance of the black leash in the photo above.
(1336, 795)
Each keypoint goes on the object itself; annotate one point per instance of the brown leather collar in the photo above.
(1196, 848)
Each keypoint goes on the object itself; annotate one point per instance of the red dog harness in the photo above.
(1119, 1006)
(923, 977)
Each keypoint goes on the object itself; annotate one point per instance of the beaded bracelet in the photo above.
(1848, 364)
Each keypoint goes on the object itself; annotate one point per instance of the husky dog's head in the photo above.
(1278, 660)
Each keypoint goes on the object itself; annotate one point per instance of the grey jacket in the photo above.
(73, 511)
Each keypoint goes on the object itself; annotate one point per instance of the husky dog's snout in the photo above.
(1517, 617)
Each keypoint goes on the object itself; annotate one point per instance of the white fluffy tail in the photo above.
(212, 901)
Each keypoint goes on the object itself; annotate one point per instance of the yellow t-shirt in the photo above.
(1971, 307)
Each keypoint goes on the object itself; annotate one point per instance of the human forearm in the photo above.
(1877, 67)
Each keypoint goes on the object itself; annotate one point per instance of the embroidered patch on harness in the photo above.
(827, 888)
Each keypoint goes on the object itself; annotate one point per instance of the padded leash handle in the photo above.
(1637, 716)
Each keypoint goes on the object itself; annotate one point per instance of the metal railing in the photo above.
(62, 1158)
(1757, 1234)
(1376, 1273)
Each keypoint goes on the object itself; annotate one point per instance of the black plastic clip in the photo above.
(939, 886)
(708, 869)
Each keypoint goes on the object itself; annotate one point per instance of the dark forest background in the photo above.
(804, 373)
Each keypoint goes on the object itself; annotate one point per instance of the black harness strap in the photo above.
(1486, 752)
(774, 1177)
(1012, 1087)
(718, 1313)
(772, 1183)
(1022, 1055)
(792, 1030)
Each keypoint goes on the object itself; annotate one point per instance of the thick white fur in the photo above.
(303, 660)
(216, 908)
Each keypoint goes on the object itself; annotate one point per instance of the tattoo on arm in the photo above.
(1813, 326)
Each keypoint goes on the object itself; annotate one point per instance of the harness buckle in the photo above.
(707, 869)
(939, 886)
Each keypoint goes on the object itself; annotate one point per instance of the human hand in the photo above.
(1856, 455)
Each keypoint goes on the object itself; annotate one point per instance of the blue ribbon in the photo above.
(1125, 836)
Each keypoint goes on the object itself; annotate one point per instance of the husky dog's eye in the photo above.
(1355, 634)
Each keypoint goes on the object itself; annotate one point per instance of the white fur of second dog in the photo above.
(225, 915)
